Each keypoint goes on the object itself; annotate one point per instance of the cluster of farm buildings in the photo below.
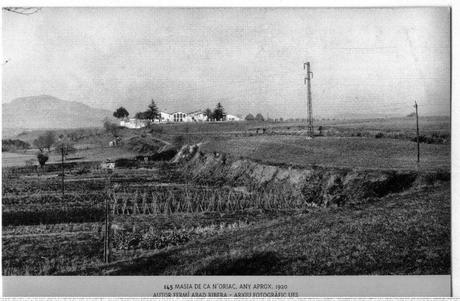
(196, 116)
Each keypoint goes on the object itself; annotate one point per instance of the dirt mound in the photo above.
(316, 186)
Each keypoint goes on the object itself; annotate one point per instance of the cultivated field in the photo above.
(164, 227)
(166, 222)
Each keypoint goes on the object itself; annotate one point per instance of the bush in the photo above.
(82, 171)
(42, 159)
(249, 117)
(112, 128)
(379, 135)
(435, 138)
(126, 163)
(162, 156)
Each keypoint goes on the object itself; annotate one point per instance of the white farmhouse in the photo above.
(198, 116)
(180, 117)
(133, 123)
(232, 118)
(165, 117)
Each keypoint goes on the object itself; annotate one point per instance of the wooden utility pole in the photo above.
(309, 102)
(107, 235)
(107, 221)
(62, 167)
(418, 138)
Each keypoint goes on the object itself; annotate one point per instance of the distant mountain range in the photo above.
(48, 112)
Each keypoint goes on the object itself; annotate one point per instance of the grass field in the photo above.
(238, 138)
(366, 153)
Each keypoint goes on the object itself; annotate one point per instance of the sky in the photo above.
(374, 61)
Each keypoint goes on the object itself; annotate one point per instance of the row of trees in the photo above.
(9, 145)
(218, 114)
(150, 114)
(250, 117)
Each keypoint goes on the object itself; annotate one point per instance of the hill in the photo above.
(46, 112)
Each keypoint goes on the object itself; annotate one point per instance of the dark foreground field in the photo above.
(175, 227)
(398, 235)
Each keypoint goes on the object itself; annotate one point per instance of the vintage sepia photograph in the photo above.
(149, 141)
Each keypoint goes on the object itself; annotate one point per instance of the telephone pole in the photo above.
(61, 146)
(107, 218)
(418, 139)
(309, 103)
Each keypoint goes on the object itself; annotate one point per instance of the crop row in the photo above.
(51, 229)
(194, 201)
(28, 186)
(53, 215)
(90, 198)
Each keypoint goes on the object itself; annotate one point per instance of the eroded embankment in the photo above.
(315, 185)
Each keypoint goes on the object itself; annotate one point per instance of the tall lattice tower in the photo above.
(309, 103)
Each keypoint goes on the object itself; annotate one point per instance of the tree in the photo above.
(9, 145)
(219, 113)
(50, 139)
(152, 111)
(208, 114)
(140, 115)
(111, 127)
(249, 117)
(45, 141)
(120, 113)
(259, 117)
(42, 158)
(64, 146)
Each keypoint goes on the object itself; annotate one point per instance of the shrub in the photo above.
(163, 156)
(126, 163)
(379, 135)
(112, 128)
(30, 162)
(42, 158)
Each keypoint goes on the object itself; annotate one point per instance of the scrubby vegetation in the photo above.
(11, 145)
